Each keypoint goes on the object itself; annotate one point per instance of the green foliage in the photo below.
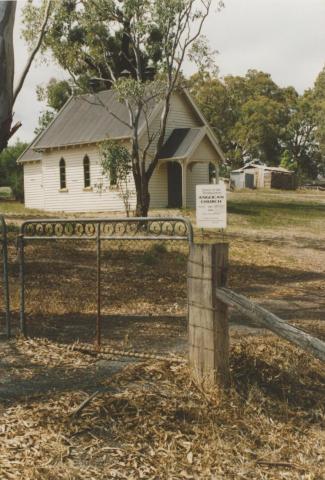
(150, 259)
(300, 138)
(11, 174)
(254, 118)
(203, 57)
(158, 249)
(138, 48)
(56, 93)
(116, 158)
(5, 192)
(92, 39)
(116, 164)
(258, 130)
(247, 114)
(288, 162)
(44, 120)
(319, 115)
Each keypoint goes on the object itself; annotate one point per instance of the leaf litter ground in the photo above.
(152, 420)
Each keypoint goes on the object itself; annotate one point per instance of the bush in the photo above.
(158, 249)
(148, 258)
(11, 174)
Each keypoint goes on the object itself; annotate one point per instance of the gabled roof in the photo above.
(179, 142)
(261, 166)
(29, 155)
(92, 118)
(87, 118)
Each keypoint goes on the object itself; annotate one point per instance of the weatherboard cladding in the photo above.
(33, 185)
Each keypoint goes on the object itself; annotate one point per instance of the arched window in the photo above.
(86, 172)
(63, 181)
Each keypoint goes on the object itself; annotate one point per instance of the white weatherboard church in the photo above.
(62, 167)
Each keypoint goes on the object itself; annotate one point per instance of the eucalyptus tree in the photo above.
(7, 18)
(318, 93)
(180, 24)
(9, 94)
(301, 140)
(88, 41)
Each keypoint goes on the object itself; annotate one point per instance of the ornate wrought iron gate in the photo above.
(98, 230)
(5, 277)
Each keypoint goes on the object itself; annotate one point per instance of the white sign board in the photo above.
(211, 206)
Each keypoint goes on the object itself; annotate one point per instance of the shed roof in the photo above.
(179, 142)
(264, 167)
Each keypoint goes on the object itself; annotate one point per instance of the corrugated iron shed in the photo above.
(264, 167)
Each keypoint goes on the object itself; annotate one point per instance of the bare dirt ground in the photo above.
(150, 420)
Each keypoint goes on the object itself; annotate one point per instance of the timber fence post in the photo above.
(208, 317)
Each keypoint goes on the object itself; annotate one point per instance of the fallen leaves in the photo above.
(157, 423)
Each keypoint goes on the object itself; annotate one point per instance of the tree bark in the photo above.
(7, 18)
(143, 197)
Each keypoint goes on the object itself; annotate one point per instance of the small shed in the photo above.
(257, 175)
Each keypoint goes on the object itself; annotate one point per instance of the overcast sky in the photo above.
(283, 37)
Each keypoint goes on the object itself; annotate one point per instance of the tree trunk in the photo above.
(143, 197)
(7, 17)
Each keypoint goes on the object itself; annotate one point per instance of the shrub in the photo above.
(158, 249)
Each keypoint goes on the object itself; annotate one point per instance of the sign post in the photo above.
(211, 206)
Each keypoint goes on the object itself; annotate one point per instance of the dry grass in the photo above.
(161, 425)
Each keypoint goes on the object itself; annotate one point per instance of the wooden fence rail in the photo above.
(208, 301)
(263, 318)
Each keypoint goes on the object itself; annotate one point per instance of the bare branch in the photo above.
(183, 25)
(102, 104)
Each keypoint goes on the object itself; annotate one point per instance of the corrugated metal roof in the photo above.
(87, 119)
(179, 142)
(30, 155)
(264, 167)
(278, 169)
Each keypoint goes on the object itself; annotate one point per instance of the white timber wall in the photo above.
(42, 179)
(158, 187)
(181, 115)
(197, 174)
(33, 185)
(75, 198)
(198, 169)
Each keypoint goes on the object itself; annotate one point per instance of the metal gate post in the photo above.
(99, 320)
(22, 284)
(4, 242)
